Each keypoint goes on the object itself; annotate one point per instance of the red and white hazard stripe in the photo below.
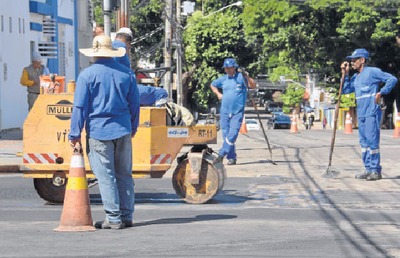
(161, 159)
(40, 158)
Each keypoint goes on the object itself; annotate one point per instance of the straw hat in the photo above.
(102, 47)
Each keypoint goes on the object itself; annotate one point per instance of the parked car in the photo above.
(278, 112)
(252, 124)
(272, 107)
(280, 121)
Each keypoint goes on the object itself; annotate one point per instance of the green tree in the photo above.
(208, 41)
(293, 95)
(318, 34)
(348, 100)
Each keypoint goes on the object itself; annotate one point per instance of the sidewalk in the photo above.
(10, 150)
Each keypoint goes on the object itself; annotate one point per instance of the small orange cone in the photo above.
(293, 126)
(348, 125)
(396, 133)
(243, 127)
(76, 214)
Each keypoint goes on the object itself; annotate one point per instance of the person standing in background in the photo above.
(123, 38)
(99, 30)
(366, 85)
(234, 86)
(31, 78)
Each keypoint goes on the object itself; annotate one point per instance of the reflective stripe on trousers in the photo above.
(230, 126)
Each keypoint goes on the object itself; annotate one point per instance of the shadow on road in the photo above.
(206, 217)
(224, 197)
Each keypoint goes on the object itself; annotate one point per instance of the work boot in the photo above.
(127, 223)
(105, 224)
(374, 176)
(363, 175)
(232, 162)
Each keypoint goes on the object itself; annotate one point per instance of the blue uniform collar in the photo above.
(232, 77)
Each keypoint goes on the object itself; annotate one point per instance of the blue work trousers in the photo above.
(369, 133)
(111, 162)
(230, 125)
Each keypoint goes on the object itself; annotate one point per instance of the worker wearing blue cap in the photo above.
(365, 83)
(233, 96)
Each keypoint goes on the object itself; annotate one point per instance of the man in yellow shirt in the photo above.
(31, 78)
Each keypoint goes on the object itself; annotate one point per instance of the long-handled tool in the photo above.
(329, 173)
(242, 70)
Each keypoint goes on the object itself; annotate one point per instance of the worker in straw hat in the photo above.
(107, 102)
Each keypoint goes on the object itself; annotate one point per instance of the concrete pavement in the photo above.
(10, 150)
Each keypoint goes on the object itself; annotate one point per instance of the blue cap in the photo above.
(230, 62)
(359, 52)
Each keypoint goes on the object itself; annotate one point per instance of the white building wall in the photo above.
(17, 46)
(66, 37)
(14, 56)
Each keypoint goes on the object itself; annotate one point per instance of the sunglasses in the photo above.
(355, 59)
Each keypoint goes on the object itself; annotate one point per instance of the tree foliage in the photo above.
(293, 95)
(208, 40)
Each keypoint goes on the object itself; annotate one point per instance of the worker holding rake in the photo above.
(365, 83)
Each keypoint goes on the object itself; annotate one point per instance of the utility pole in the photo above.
(123, 15)
(168, 46)
(179, 90)
(107, 17)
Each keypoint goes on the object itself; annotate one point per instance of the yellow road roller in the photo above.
(47, 153)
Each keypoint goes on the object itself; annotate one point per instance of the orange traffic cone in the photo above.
(396, 133)
(348, 124)
(293, 126)
(243, 127)
(76, 214)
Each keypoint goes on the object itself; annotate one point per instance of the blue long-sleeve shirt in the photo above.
(106, 101)
(234, 92)
(150, 95)
(366, 86)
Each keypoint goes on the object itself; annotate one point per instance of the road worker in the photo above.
(234, 86)
(123, 38)
(365, 83)
(106, 102)
(31, 78)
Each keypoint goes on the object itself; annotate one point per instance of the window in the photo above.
(10, 19)
(2, 23)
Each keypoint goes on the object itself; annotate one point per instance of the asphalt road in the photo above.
(264, 210)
